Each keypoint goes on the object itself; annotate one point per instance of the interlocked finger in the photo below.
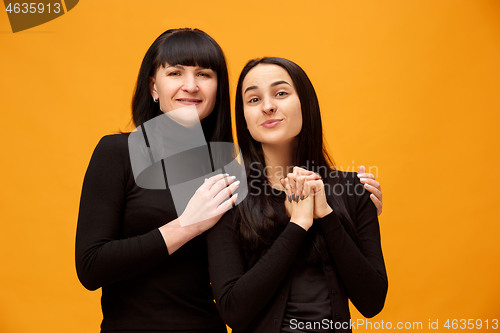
(288, 189)
(292, 183)
(304, 172)
(300, 187)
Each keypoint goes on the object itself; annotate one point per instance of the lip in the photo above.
(271, 123)
(189, 101)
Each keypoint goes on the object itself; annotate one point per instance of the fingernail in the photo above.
(237, 183)
(293, 196)
(289, 198)
(367, 185)
(302, 197)
(297, 198)
(226, 174)
(235, 196)
(233, 177)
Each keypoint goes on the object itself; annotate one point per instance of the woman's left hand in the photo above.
(372, 186)
(321, 206)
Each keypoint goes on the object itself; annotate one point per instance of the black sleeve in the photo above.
(362, 267)
(240, 293)
(101, 256)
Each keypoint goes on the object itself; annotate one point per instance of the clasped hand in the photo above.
(306, 198)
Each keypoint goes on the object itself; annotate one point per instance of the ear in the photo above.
(152, 87)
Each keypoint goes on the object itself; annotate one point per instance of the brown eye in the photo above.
(204, 74)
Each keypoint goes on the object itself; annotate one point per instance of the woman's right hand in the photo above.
(209, 203)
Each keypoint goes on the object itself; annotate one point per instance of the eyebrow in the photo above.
(175, 66)
(182, 67)
(277, 83)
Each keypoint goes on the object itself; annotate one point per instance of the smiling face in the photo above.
(271, 105)
(178, 86)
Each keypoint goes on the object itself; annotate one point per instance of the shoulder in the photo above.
(349, 188)
(113, 146)
(110, 152)
(113, 142)
(109, 164)
(344, 182)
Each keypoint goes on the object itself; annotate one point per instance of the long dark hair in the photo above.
(256, 219)
(187, 47)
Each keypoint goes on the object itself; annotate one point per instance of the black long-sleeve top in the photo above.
(251, 290)
(119, 248)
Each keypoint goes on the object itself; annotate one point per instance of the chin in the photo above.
(203, 115)
(279, 141)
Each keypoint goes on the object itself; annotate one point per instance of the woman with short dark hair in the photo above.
(130, 241)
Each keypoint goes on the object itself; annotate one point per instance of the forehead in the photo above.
(181, 66)
(263, 75)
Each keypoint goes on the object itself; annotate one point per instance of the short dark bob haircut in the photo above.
(186, 47)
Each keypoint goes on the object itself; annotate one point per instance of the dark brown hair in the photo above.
(187, 47)
(256, 219)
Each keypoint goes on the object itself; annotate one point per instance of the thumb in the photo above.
(362, 169)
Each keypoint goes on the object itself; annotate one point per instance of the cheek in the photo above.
(297, 117)
(211, 90)
(298, 129)
(250, 120)
(245, 115)
(165, 88)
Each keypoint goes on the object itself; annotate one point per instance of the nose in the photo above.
(268, 106)
(190, 84)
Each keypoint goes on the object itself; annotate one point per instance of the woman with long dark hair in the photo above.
(130, 241)
(306, 238)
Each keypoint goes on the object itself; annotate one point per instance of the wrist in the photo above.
(322, 212)
(195, 229)
(187, 225)
(175, 235)
(302, 222)
(184, 231)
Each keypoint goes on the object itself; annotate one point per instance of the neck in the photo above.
(279, 162)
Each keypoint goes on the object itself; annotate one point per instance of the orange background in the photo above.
(410, 88)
